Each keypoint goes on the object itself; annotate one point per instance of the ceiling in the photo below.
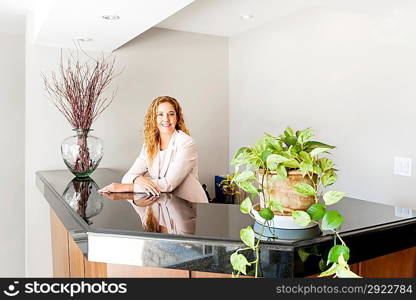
(223, 17)
(59, 22)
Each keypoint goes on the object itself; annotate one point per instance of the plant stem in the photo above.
(339, 237)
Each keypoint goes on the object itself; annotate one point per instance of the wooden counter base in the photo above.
(68, 261)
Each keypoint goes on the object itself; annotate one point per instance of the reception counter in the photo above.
(132, 235)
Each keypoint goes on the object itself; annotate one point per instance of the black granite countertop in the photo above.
(174, 233)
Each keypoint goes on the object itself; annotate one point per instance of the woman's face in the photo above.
(166, 118)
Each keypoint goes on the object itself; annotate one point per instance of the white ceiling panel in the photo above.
(67, 21)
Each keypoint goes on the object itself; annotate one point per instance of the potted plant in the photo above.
(78, 90)
(229, 189)
(291, 174)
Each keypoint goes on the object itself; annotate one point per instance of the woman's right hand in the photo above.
(148, 185)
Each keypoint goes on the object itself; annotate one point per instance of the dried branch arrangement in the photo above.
(77, 88)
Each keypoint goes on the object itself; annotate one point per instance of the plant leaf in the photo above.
(273, 160)
(240, 151)
(248, 187)
(239, 262)
(301, 218)
(276, 204)
(332, 197)
(322, 265)
(317, 169)
(314, 144)
(291, 163)
(243, 176)
(329, 178)
(331, 271)
(288, 132)
(343, 272)
(266, 214)
(332, 219)
(336, 251)
(281, 173)
(247, 236)
(317, 151)
(303, 255)
(304, 189)
(306, 157)
(305, 168)
(306, 135)
(316, 211)
(246, 206)
(265, 154)
(326, 164)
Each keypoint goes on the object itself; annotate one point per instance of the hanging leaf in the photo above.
(336, 251)
(246, 206)
(239, 262)
(331, 271)
(332, 219)
(316, 211)
(247, 236)
(332, 197)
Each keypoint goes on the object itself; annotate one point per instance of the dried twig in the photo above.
(76, 89)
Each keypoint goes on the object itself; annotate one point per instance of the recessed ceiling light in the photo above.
(84, 39)
(246, 17)
(111, 17)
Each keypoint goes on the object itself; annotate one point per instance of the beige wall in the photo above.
(12, 145)
(341, 74)
(190, 67)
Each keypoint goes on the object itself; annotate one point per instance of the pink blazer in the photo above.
(179, 172)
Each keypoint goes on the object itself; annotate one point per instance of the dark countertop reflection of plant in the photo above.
(270, 160)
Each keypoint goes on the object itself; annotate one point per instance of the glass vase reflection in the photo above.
(83, 197)
(82, 152)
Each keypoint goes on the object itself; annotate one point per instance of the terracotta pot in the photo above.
(283, 190)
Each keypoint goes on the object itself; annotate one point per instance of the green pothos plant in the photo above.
(280, 154)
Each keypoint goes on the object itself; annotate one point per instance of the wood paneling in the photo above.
(398, 264)
(95, 269)
(76, 259)
(115, 270)
(60, 252)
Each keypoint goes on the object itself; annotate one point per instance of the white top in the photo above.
(178, 173)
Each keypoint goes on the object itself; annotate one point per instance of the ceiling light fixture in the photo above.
(111, 17)
(246, 17)
(84, 40)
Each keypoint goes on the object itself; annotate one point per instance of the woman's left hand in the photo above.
(118, 188)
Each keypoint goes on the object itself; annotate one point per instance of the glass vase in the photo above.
(82, 152)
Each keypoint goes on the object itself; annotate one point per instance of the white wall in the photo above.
(193, 68)
(349, 76)
(12, 79)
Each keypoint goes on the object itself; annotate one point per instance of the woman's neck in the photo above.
(164, 140)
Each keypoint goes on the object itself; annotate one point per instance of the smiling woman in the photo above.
(169, 156)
